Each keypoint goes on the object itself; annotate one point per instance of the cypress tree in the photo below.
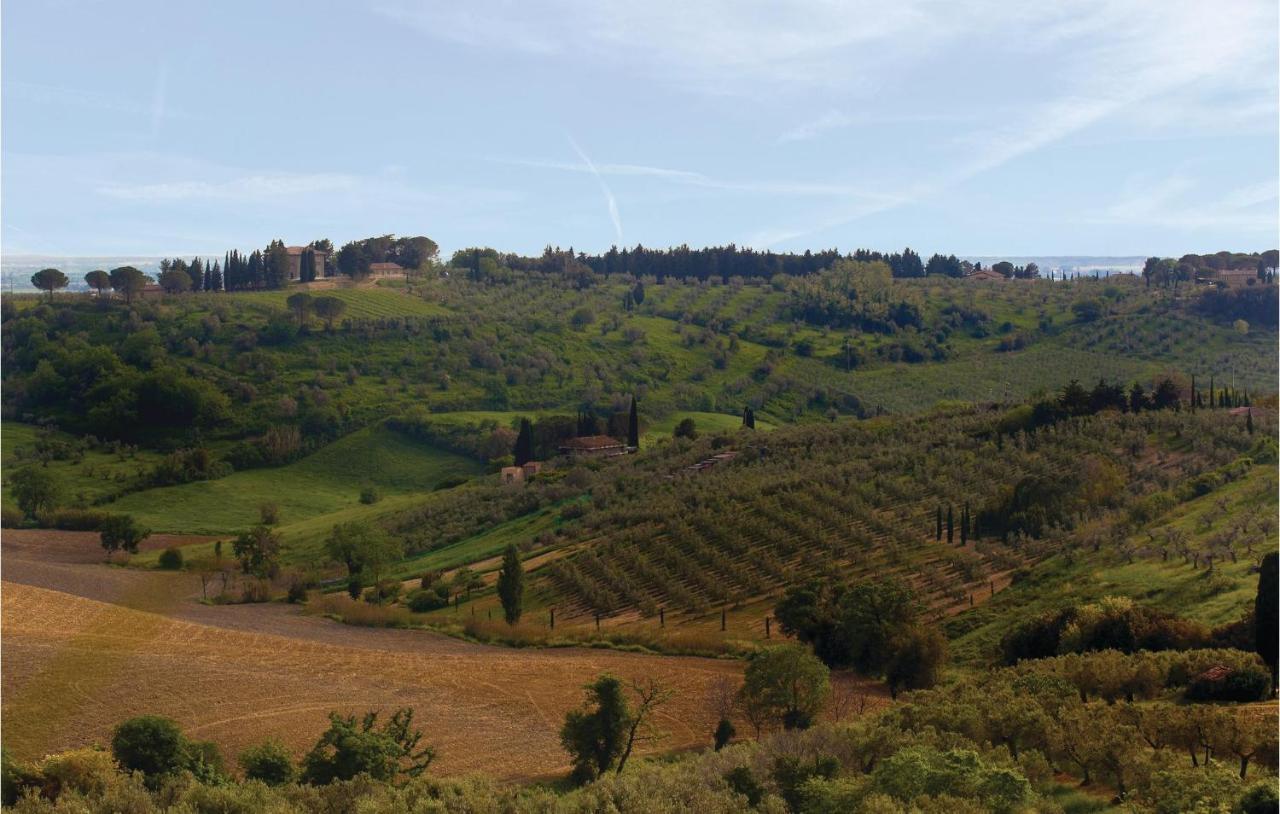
(749, 418)
(633, 426)
(1211, 393)
(950, 527)
(1248, 421)
(964, 525)
(511, 585)
(523, 452)
(1194, 393)
(939, 538)
(1265, 611)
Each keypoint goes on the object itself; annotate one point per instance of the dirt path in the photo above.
(86, 645)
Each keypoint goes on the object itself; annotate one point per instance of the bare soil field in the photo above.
(86, 645)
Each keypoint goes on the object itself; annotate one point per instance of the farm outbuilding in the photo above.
(512, 474)
(593, 446)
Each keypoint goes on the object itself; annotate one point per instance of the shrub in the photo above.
(269, 513)
(724, 733)
(204, 760)
(1240, 684)
(742, 781)
(297, 592)
(150, 744)
(171, 559)
(256, 590)
(370, 495)
(268, 762)
(83, 771)
(1261, 798)
(422, 601)
(384, 593)
(10, 517)
(72, 519)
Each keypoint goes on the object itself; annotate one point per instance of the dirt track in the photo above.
(86, 645)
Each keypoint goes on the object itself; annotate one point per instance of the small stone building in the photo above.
(512, 474)
(386, 270)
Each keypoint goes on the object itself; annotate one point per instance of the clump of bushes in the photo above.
(1242, 684)
(72, 519)
(171, 559)
(370, 495)
(429, 599)
(1115, 623)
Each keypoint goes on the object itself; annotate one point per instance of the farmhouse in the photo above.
(1231, 278)
(386, 270)
(295, 261)
(593, 446)
(986, 274)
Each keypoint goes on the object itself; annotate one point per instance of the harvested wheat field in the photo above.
(74, 666)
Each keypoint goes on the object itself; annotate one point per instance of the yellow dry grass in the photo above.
(74, 667)
(85, 645)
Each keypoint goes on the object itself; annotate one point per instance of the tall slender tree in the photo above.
(1265, 610)
(511, 585)
(950, 525)
(633, 426)
(939, 538)
(523, 452)
(749, 418)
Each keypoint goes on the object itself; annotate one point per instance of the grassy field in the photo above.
(324, 483)
(362, 303)
(95, 475)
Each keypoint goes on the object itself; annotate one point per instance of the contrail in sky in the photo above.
(608, 194)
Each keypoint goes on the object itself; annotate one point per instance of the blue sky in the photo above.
(980, 128)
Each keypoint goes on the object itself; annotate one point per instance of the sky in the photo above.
(1000, 128)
